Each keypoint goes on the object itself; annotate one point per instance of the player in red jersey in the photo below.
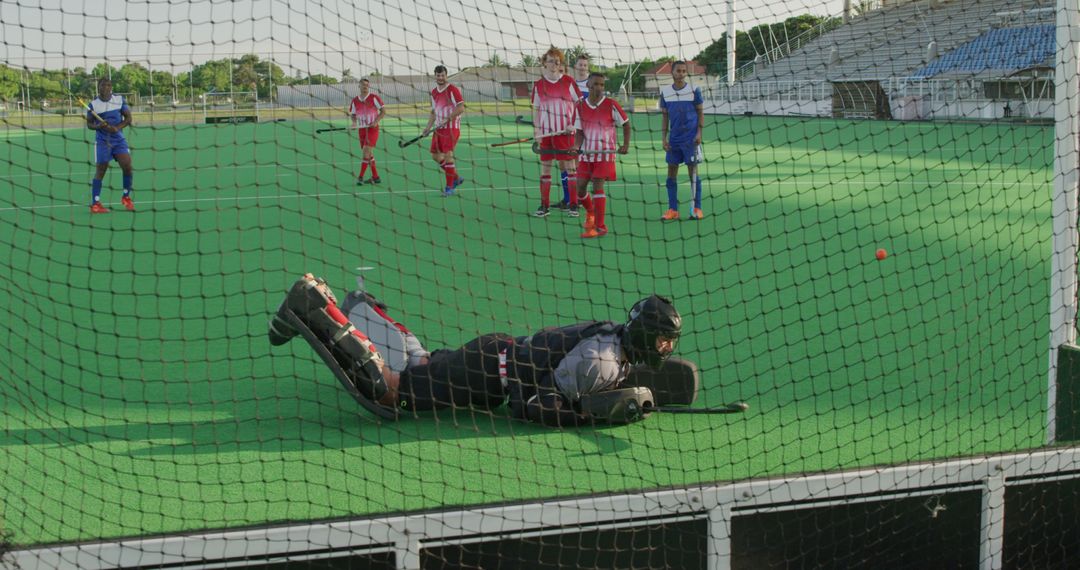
(366, 111)
(597, 117)
(447, 105)
(554, 100)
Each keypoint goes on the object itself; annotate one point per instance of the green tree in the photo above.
(318, 79)
(529, 61)
(759, 40)
(246, 75)
(10, 83)
(132, 78)
(573, 53)
(495, 61)
(212, 76)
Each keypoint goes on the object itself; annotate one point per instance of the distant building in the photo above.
(660, 75)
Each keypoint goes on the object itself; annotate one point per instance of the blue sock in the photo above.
(95, 187)
(697, 192)
(127, 184)
(672, 194)
(565, 187)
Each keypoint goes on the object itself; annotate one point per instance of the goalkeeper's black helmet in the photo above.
(651, 318)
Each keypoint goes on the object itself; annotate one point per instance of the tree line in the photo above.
(251, 73)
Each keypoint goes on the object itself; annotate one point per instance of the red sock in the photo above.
(599, 205)
(374, 173)
(571, 185)
(545, 190)
(588, 203)
(451, 173)
(336, 314)
(363, 168)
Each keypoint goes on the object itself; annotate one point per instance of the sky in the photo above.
(399, 37)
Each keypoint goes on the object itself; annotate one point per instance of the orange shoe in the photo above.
(697, 214)
(670, 215)
(126, 201)
(590, 234)
(97, 208)
(590, 222)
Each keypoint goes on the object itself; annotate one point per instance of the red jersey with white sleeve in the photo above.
(556, 102)
(366, 110)
(443, 103)
(598, 123)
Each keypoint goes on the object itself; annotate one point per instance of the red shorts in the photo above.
(368, 136)
(596, 171)
(444, 140)
(557, 142)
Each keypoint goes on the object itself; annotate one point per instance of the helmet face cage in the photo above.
(651, 319)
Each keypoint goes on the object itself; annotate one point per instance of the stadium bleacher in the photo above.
(1002, 49)
(892, 42)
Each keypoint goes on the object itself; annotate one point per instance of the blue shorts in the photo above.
(109, 149)
(685, 153)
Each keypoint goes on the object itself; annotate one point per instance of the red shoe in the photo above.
(126, 201)
(601, 231)
(590, 222)
(590, 234)
(97, 208)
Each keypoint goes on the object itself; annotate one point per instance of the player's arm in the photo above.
(379, 117)
(551, 409)
(700, 122)
(664, 127)
(624, 148)
(535, 98)
(126, 114)
(699, 106)
(92, 123)
(430, 121)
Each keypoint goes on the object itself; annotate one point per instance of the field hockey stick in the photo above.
(542, 151)
(404, 144)
(332, 129)
(733, 408)
(527, 139)
(522, 121)
(86, 107)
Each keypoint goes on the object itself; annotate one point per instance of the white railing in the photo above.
(773, 91)
(787, 48)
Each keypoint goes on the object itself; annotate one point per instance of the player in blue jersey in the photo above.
(681, 104)
(108, 114)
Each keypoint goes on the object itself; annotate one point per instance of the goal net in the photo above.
(864, 215)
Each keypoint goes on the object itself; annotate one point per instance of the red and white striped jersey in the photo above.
(598, 123)
(556, 102)
(365, 109)
(443, 102)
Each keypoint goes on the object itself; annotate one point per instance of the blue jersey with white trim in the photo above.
(681, 106)
(112, 112)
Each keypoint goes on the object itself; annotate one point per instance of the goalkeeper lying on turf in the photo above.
(560, 376)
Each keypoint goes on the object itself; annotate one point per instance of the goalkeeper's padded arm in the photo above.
(619, 406)
(551, 409)
(615, 407)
